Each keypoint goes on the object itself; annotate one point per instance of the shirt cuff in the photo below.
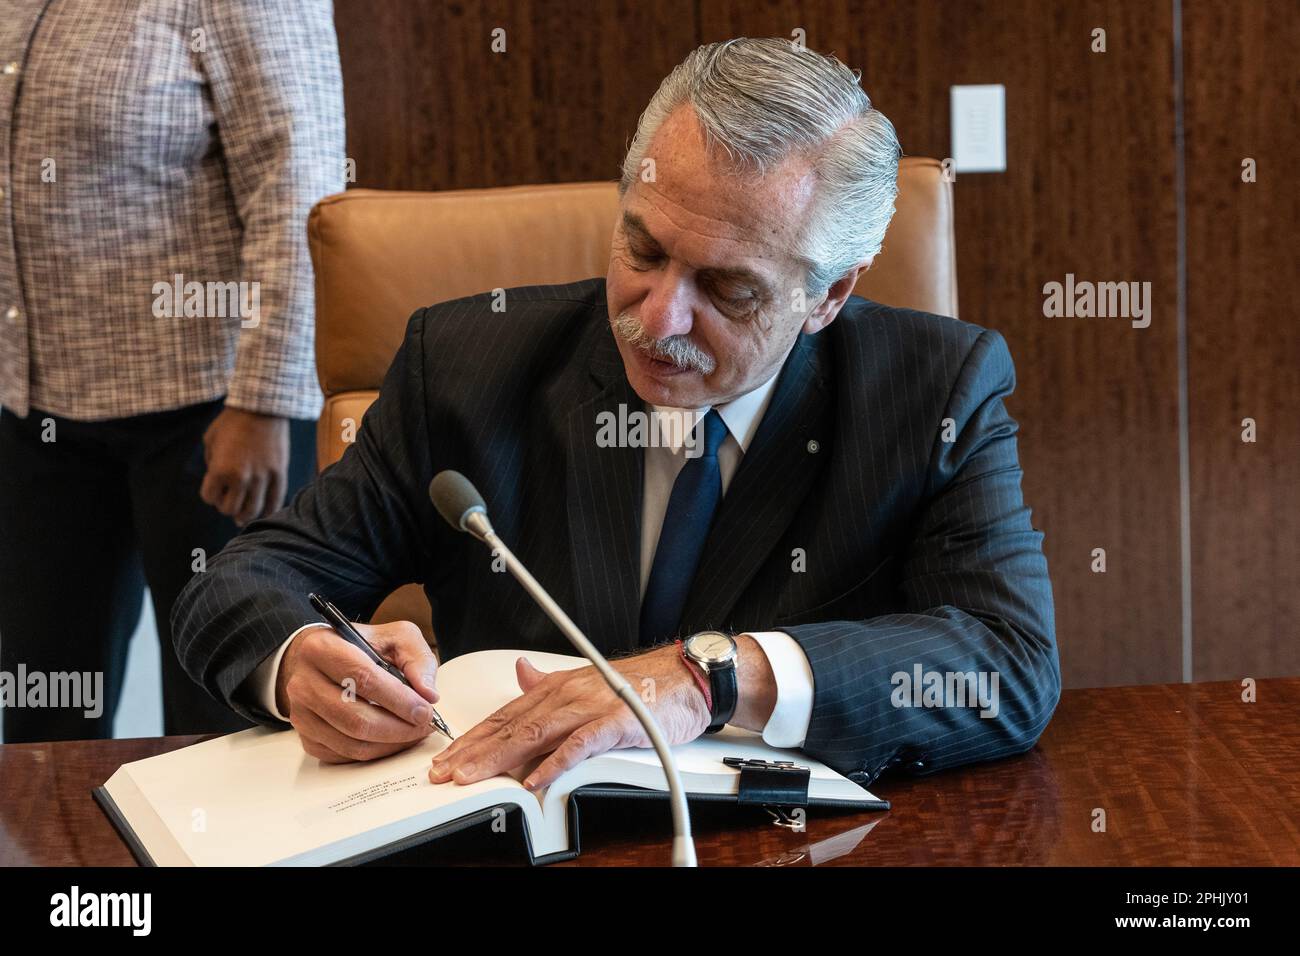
(262, 681)
(788, 725)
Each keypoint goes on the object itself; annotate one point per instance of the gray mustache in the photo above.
(677, 349)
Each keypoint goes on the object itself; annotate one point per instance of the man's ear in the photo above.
(836, 296)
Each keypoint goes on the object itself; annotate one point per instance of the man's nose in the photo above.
(666, 311)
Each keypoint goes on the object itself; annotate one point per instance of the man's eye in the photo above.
(742, 303)
(644, 259)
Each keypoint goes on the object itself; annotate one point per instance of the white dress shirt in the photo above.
(664, 459)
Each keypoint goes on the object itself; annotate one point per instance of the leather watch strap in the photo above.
(722, 681)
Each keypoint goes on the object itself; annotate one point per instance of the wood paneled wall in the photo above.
(1091, 189)
(1243, 102)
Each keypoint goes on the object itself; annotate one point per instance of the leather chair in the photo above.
(379, 255)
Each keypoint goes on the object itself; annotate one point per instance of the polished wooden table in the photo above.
(1186, 774)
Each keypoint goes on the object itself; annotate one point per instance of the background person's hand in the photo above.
(325, 685)
(247, 455)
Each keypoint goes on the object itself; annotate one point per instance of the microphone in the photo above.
(459, 502)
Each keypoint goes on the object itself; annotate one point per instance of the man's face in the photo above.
(702, 271)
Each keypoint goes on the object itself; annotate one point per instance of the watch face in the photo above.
(712, 647)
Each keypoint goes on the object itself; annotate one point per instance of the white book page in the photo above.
(256, 798)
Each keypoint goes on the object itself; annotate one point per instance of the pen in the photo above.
(350, 634)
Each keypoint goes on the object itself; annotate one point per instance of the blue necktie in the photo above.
(691, 507)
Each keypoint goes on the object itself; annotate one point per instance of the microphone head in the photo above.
(456, 498)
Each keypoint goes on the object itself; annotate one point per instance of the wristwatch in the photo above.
(715, 653)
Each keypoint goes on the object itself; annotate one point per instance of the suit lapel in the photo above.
(767, 489)
(603, 500)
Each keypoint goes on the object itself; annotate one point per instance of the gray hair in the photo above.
(763, 100)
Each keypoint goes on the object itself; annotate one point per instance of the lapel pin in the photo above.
(813, 446)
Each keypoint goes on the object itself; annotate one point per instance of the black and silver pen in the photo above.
(350, 634)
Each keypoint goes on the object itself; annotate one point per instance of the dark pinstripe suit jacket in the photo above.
(915, 549)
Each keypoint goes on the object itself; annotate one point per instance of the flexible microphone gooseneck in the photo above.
(459, 502)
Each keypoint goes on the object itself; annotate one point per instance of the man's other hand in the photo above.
(573, 715)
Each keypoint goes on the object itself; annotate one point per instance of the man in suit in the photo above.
(844, 507)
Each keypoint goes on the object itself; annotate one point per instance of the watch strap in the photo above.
(722, 682)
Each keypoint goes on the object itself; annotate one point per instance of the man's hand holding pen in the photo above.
(344, 706)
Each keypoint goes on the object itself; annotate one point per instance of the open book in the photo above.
(255, 798)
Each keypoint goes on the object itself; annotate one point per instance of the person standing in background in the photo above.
(158, 159)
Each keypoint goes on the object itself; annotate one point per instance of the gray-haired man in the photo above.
(759, 185)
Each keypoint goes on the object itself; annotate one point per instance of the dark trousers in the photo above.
(85, 522)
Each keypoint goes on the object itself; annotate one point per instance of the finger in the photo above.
(348, 677)
(499, 718)
(232, 498)
(314, 748)
(402, 643)
(275, 490)
(528, 675)
(311, 725)
(533, 733)
(254, 500)
(486, 728)
(357, 719)
(587, 741)
(490, 725)
(213, 488)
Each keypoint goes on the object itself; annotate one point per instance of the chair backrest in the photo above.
(379, 255)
